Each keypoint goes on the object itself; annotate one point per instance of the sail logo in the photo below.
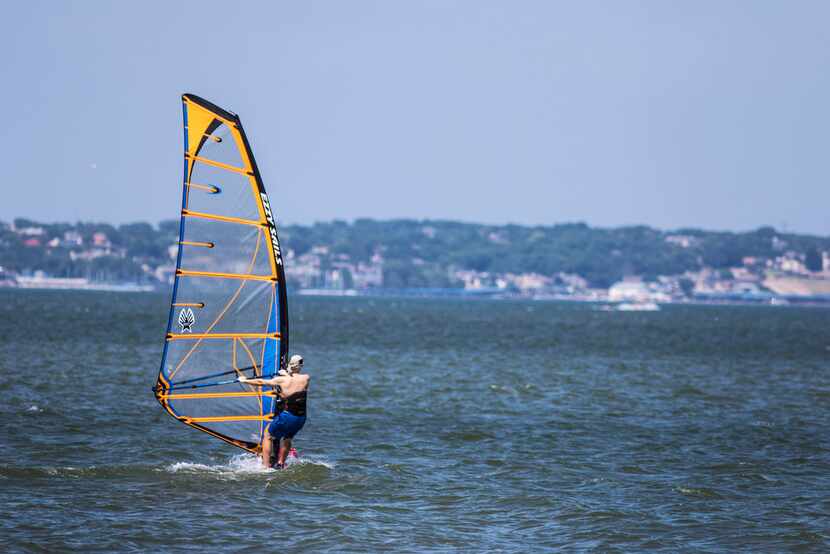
(275, 242)
(187, 320)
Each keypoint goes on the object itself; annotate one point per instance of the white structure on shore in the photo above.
(41, 281)
(635, 291)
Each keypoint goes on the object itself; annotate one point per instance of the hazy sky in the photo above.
(705, 114)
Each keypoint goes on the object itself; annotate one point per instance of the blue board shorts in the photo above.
(285, 425)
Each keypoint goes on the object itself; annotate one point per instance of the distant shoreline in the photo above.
(440, 294)
(55, 283)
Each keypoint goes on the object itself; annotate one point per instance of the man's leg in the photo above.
(285, 446)
(266, 450)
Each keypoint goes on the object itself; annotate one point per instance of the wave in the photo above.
(244, 464)
(238, 466)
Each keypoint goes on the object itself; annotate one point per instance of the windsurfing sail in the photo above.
(228, 314)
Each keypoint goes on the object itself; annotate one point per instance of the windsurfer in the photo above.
(292, 391)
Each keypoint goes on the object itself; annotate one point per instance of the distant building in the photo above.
(791, 262)
(573, 281)
(778, 244)
(636, 291)
(31, 231)
(6, 278)
(530, 281)
(88, 255)
(683, 241)
(368, 275)
(754, 261)
(101, 240)
(72, 238)
(628, 291)
(745, 275)
(334, 279)
(475, 280)
(497, 238)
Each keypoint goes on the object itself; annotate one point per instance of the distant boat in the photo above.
(638, 307)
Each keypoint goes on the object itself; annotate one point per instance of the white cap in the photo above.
(295, 363)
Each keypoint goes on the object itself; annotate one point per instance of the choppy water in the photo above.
(434, 426)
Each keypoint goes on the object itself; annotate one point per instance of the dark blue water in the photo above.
(434, 426)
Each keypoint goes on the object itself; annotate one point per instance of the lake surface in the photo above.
(435, 425)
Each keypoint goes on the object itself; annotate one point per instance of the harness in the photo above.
(296, 403)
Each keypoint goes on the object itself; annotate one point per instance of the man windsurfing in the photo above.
(292, 388)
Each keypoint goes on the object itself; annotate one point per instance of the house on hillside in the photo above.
(72, 238)
(101, 240)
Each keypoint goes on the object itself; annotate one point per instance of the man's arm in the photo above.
(273, 382)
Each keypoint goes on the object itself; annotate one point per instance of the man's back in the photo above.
(292, 384)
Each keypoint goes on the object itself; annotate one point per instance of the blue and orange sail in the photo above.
(228, 314)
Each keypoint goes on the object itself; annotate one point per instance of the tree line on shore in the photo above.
(419, 253)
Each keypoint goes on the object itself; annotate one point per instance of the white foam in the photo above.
(188, 466)
(309, 460)
(34, 408)
(241, 465)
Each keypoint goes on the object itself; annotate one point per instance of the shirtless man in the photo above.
(292, 390)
